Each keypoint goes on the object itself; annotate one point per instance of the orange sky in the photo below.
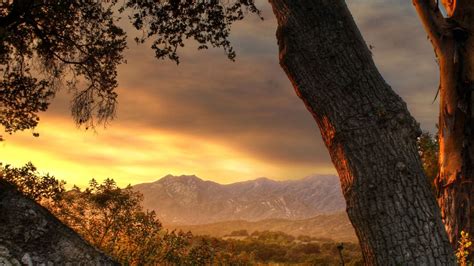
(223, 121)
(133, 154)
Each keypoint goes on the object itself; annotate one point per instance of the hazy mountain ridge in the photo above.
(191, 200)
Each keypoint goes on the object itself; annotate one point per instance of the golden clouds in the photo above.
(221, 120)
(130, 154)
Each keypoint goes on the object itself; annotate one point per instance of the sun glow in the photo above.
(131, 154)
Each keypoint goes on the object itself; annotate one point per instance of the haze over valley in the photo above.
(312, 206)
(191, 200)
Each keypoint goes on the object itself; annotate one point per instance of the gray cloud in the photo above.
(249, 104)
(402, 52)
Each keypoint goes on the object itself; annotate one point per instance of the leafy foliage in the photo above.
(46, 45)
(112, 219)
(464, 249)
(21, 98)
(280, 248)
(428, 148)
(169, 23)
(50, 44)
(31, 183)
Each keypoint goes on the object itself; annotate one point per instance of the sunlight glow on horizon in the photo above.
(132, 155)
(220, 120)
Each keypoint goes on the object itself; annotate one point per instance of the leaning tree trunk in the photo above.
(368, 131)
(454, 48)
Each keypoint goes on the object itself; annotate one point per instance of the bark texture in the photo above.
(454, 183)
(454, 47)
(368, 131)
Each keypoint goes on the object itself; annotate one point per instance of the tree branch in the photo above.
(433, 22)
(450, 6)
(19, 8)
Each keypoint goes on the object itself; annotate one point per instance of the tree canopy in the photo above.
(48, 45)
(31, 183)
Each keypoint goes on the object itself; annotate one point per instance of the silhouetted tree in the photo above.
(46, 45)
(31, 183)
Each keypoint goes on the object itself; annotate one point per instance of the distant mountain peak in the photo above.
(263, 179)
(170, 177)
(187, 199)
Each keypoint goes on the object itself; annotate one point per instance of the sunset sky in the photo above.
(221, 120)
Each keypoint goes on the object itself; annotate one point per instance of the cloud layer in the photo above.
(225, 121)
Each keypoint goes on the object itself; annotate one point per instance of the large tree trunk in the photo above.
(454, 48)
(368, 131)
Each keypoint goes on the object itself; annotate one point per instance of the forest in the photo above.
(112, 219)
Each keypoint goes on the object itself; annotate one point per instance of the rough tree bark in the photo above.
(368, 131)
(454, 47)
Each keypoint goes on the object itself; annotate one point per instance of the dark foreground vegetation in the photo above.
(280, 248)
(113, 220)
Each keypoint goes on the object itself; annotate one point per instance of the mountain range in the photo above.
(189, 200)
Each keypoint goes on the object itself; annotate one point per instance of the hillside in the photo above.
(190, 200)
(334, 226)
